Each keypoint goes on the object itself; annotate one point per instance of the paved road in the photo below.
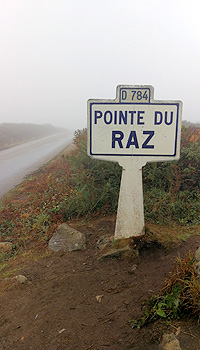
(19, 161)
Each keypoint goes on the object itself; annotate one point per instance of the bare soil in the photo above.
(74, 301)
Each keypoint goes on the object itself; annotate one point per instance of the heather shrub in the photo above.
(171, 189)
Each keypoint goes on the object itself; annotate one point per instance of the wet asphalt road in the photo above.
(19, 161)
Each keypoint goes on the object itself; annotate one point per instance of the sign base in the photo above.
(130, 213)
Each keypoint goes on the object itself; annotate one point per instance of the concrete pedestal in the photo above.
(130, 214)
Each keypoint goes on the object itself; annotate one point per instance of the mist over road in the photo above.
(19, 161)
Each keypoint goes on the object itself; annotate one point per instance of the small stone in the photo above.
(21, 279)
(197, 254)
(170, 342)
(122, 253)
(67, 238)
(62, 330)
(6, 246)
(99, 298)
(132, 270)
(103, 242)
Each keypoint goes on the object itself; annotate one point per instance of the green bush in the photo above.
(178, 298)
(161, 206)
(95, 183)
(177, 175)
(171, 189)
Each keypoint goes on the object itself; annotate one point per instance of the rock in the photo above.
(66, 239)
(169, 342)
(62, 330)
(133, 269)
(21, 279)
(121, 253)
(99, 298)
(103, 242)
(6, 246)
(197, 254)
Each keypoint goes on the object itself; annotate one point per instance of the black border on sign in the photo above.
(135, 155)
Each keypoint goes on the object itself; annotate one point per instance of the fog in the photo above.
(56, 54)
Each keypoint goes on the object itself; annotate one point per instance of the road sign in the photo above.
(133, 129)
(134, 125)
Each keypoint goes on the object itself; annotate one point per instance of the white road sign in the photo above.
(134, 125)
(132, 130)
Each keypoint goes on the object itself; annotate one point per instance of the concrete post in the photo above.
(130, 214)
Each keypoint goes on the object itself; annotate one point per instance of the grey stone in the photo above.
(103, 242)
(21, 279)
(121, 253)
(67, 238)
(197, 254)
(169, 342)
(133, 269)
(6, 246)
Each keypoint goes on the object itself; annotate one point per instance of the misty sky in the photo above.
(56, 54)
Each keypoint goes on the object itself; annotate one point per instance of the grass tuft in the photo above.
(180, 296)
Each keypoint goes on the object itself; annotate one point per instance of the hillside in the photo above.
(74, 300)
(14, 134)
(189, 124)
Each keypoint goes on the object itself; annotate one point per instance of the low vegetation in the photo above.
(171, 189)
(73, 186)
(94, 183)
(179, 297)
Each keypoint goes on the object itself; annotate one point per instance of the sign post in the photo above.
(132, 130)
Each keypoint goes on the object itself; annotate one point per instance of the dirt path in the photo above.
(73, 301)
